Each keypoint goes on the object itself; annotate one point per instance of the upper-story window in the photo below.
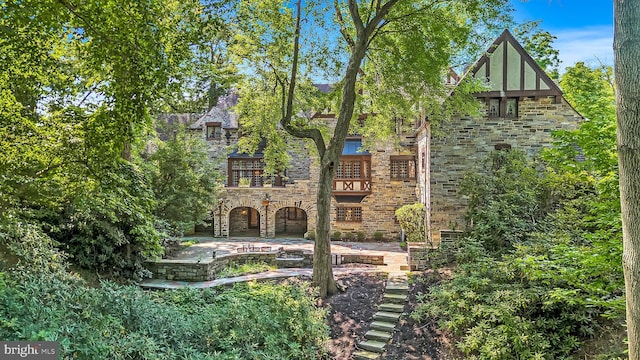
(512, 107)
(403, 167)
(214, 131)
(506, 108)
(494, 107)
(251, 169)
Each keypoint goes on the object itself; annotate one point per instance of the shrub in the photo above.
(349, 236)
(360, 235)
(336, 235)
(504, 199)
(378, 235)
(533, 286)
(411, 218)
(310, 235)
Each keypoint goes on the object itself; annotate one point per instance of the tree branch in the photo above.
(313, 134)
(73, 10)
(343, 27)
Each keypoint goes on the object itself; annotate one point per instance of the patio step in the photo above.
(383, 325)
(373, 346)
(394, 298)
(397, 308)
(365, 355)
(386, 316)
(378, 335)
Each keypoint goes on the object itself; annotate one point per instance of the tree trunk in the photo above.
(322, 269)
(627, 78)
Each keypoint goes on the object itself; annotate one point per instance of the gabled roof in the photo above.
(510, 71)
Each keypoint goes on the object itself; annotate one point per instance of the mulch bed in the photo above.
(351, 313)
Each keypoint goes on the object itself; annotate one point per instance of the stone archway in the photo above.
(244, 221)
(291, 220)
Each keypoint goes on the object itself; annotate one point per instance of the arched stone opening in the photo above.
(244, 221)
(291, 221)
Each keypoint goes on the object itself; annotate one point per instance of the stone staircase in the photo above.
(385, 320)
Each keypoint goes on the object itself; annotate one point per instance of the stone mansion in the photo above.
(522, 106)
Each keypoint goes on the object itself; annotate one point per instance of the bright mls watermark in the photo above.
(32, 350)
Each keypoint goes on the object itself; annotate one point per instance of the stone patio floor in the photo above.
(394, 258)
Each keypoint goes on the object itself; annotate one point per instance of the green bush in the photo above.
(310, 235)
(336, 235)
(378, 235)
(349, 236)
(504, 199)
(360, 235)
(411, 218)
(535, 286)
(110, 228)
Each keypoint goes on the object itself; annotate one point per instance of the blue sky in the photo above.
(584, 28)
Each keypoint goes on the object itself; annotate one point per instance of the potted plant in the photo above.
(244, 182)
(267, 182)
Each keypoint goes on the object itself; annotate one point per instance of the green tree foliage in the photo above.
(389, 59)
(77, 83)
(590, 92)
(412, 221)
(538, 44)
(539, 273)
(45, 302)
(183, 180)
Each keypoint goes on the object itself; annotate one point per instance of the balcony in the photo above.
(351, 187)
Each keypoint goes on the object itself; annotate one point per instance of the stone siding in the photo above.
(467, 141)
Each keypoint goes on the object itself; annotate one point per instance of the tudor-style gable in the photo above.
(511, 72)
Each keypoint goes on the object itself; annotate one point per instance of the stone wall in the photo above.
(467, 141)
(206, 269)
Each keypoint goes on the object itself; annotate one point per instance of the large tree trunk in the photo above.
(627, 78)
(322, 270)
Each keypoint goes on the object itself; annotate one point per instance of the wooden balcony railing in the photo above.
(352, 186)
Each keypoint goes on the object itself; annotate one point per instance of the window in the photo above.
(246, 168)
(353, 168)
(214, 131)
(403, 167)
(353, 214)
(512, 107)
(494, 107)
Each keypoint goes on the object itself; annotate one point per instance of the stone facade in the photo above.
(522, 107)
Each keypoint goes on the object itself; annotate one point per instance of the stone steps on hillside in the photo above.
(373, 346)
(365, 355)
(378, 335)
(397, 308)
(380, 331)
(383, 326)
(394, 298)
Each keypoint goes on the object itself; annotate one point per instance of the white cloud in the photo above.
(593, 45)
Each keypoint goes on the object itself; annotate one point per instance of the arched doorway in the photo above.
(244, 221)
(291, 221)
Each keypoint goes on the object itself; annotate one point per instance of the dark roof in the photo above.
(221, 113)
(324, 88)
